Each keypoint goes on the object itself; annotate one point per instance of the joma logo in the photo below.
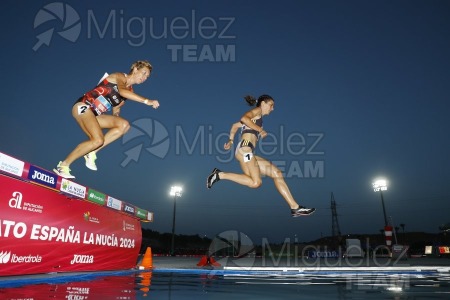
(82, 259)
(41, 176)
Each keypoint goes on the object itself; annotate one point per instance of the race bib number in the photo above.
(101, 104)
(82, 109)
(248, 157)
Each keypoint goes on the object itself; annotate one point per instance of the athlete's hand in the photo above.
(227, 145)
(154, 103)
(262, 133)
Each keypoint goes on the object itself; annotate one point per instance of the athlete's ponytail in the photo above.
(252, 100)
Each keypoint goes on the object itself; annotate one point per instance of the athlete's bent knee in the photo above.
(124, 126)
(255, 184)
(97, 142)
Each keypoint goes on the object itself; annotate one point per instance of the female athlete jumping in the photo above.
(252, 165)
(89, 112)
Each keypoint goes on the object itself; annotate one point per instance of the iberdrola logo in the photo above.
(5, 257)
(87, 215)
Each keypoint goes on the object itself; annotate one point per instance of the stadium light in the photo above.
(175, 191)
(380, 185)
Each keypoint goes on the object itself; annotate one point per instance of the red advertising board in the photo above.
(108, 287)
(44, 231)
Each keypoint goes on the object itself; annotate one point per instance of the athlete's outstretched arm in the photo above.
(233, 130)
(126, 93)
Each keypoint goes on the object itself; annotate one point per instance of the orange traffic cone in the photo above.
(147, 260)
(146, 281)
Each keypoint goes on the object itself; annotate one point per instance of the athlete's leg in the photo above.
(251, 176)
(89, 124)
(269, 169)
(117, 127)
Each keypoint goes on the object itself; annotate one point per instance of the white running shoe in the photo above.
(63, 171)
(90, 161)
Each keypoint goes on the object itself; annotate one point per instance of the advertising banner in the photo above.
(44, 231)
(110, 287)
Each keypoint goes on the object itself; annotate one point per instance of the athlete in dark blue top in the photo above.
(90, 113)
(252, 165)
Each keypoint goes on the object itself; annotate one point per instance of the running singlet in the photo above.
(104, 96)
(246, 129)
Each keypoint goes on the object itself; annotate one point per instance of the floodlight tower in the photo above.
(380, 185)
(175, 191)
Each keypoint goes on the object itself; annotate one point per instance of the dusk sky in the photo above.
(361, 90)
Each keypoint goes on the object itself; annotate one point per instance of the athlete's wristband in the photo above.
(231, 141)
(146, 101)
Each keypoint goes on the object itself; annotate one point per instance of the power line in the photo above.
(335, 229)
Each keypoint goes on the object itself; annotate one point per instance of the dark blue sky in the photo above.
(363, 84)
